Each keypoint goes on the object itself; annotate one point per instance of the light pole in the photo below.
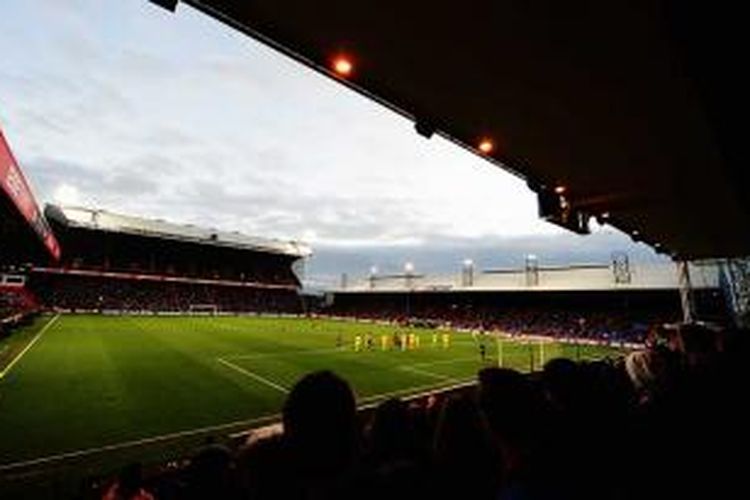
(409, 276)
(373, 276)
(467, 273)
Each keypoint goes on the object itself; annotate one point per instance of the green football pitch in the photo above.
(74, 386)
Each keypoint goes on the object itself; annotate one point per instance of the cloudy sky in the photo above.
(124, 106)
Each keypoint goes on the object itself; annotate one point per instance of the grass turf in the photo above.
(93, 381)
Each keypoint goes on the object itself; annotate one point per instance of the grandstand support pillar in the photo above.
(373, 277)
(532, 270)
(686, 291)
(467, 273)
(344, 281)
(734, 280)
(621, 268)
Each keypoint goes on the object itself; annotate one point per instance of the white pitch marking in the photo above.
(253, 376)
(299, 352)
(412, 391)
(444, 362)
(426, 373)
(28, 346)
(136, 442)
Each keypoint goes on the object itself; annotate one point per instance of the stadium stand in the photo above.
(25, 239)
(609, 316)
(15, 297)
(103, 241)
(114, 262)
(74, 292)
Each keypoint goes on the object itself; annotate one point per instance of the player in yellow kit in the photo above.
(446, 340)
(357, 343)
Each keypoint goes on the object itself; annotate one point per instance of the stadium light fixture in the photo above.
(560, 189)
(486, 146)
(373, 270)
(468, 263)
(409, 268)
(343, 66)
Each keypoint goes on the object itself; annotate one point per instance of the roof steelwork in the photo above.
(103, 220)
(626, 107)
(661, 276)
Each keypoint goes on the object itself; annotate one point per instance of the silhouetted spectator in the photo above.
(467, 465)
(129, 485)
(320, 422)
(391, 435)
(211, 474)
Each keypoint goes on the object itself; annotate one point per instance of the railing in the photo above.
(159, 278)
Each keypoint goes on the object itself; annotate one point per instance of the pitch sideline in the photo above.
(425, 373)
(132, 443)
(363, 403)
(33, 341)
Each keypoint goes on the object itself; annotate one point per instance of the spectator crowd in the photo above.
(90, 293)
(606, 324)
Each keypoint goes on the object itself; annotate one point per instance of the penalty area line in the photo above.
(425, 373)
(18, 357)
(417, 391)
(283, 354)
(253, 376)
(444, 362)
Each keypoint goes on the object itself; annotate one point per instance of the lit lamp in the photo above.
(486, 146)
(342, 66)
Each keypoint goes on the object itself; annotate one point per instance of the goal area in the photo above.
(203, 309)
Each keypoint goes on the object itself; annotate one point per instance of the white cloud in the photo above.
(66, 194)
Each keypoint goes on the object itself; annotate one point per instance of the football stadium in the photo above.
(142, 358)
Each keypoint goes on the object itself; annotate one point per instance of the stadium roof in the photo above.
(571, 278)
(630, 106)
(107, 221)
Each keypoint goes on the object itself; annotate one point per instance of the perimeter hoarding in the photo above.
(14, 186)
